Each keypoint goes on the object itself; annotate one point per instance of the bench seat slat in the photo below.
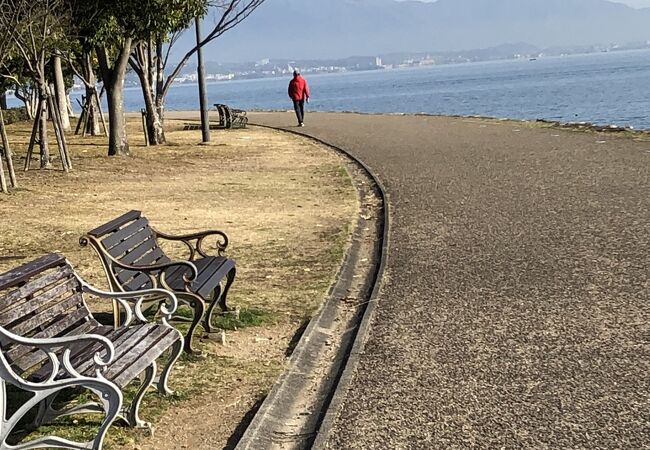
(47, 316)
(81, 357)
(211, 271)
(125, 275)
(130, 243)
(124, 339)
(31, 287)
(36, 357)
(79, 318)
(140, 281)
(129, 230)
(137, 365)
(141, 253)
(215, 270)
(115, 223)
(136, 352)
(22, 273)
(24, 309)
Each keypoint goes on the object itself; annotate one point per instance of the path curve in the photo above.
(515, 308)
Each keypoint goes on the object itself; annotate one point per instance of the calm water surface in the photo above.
(605, 88)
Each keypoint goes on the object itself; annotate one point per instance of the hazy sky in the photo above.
(636, 3)
(633, 3)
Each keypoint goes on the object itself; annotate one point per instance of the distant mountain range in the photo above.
(318, 29)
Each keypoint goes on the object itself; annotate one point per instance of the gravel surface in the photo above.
(515, 311)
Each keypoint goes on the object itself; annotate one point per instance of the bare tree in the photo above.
(91, 106)
(8, 22)
(37, 29)
(150, 56)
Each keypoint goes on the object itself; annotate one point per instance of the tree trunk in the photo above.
(155, 124)
(118, 143)
(113, 74)
(147, 73)
(29, 97)
(154, 121)
(42, 130)
(61, 100)
(92, 121)
(3, 101)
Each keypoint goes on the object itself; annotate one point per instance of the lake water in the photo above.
(603, 88)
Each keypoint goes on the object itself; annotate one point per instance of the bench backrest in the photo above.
(130, 240)
(41, 299)
(225, 115)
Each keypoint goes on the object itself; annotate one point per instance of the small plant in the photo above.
(14, 115)
(245, 319)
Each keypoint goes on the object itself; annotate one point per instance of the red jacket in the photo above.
(298, 89)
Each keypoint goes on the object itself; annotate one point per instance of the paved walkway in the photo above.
(516, 308)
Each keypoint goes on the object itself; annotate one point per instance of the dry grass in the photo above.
(287, 206)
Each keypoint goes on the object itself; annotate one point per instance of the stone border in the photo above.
(261, 432)
(343, 385)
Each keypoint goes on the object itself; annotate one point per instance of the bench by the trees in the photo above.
(132, 258)
(230, 117)
(50, 342)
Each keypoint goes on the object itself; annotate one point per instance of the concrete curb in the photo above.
(251, 438)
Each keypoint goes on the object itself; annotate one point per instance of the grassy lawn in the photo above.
(287, 206)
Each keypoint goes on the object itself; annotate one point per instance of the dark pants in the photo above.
(299, 107)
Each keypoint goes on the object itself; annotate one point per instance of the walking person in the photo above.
(299, 93)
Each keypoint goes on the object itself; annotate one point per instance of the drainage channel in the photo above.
(291, 416)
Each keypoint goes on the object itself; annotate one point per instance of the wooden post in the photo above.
(101, 113)
(32, 140)
(7, 151)
(144, 127)
(58, 123)
(81, 116)
(58, 132)
(88, 106)
(3, 181)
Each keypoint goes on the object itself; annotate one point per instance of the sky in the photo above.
(636, 3)
(632, 3)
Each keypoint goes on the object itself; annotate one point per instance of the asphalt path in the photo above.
(515, 310)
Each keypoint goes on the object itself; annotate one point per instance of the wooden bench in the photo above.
(132, 258)
(231, 118)
(50, 342)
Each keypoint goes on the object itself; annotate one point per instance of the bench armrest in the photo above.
(58, 361)
(194, 241)
(132, 302)
(156, 272)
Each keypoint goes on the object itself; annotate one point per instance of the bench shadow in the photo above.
(17, 397)
(235, 437)
(105, 318)
(12, 258)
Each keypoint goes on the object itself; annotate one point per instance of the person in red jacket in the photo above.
(299, 93)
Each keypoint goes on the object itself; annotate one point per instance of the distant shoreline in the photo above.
(577, 126)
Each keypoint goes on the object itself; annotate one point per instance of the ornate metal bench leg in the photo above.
(199, 309)
(176, 351)
(207, 323)
(132, 416)
(111, 405)
(112, 409)
(229, 280)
